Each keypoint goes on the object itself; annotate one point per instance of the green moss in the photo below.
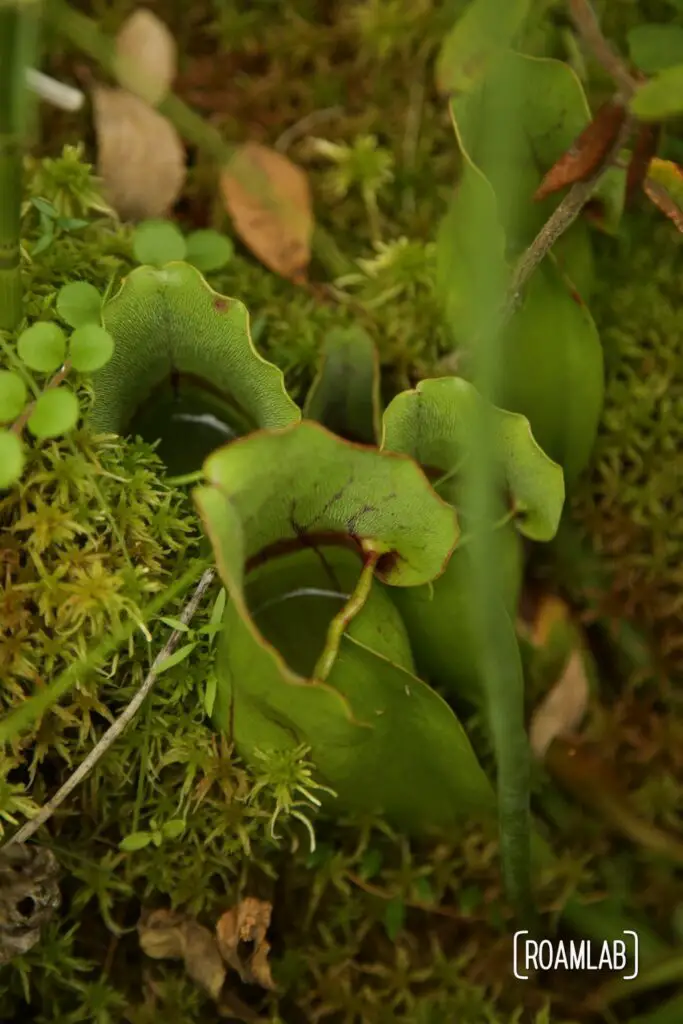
(631, 503)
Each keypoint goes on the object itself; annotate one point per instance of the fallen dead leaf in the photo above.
(664, 187)
(269, 200)
(29, 896)
(587, 151)
(248, 922)
(141, 159)
(146, 59)
(171, 935)
(561, 711)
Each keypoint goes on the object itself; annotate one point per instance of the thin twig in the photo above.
(562, 218)
(117, 727)
(588, 27)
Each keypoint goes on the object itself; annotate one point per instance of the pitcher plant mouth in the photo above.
(187, 418)
(295, 596)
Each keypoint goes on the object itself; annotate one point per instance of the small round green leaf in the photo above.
(12, 395)
(135, 841)
(157, 242)
(11, 459)
(654, 47)
(56, 413)
(207, 250)
(79, 303)
(42, 347)
(660, 97)
(91, 348)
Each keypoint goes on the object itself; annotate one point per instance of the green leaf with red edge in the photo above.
(166, 321)
(304, 527)
(435, 424)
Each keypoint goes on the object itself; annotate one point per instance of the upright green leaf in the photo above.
(547, 102)
(344, 396)
(552, 370)
(470, 249)
(440, 621)
(483, 32)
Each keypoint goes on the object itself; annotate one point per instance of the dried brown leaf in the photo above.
(247, 923)
(549, 612)
(146, 59)
(664, 187)
(562, 710)
(269, 200)
(587, 151)
(171, 935)
(141, 159)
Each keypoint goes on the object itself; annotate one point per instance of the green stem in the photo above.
(83, 33)
(19, 20)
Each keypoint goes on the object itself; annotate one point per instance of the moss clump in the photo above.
(630, 504)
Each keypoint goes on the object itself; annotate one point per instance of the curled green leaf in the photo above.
(435, 424)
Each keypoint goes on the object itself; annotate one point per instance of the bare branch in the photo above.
(588, 27)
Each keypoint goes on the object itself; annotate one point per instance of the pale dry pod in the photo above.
(269, 200)
(140, 157)
(146, 61)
